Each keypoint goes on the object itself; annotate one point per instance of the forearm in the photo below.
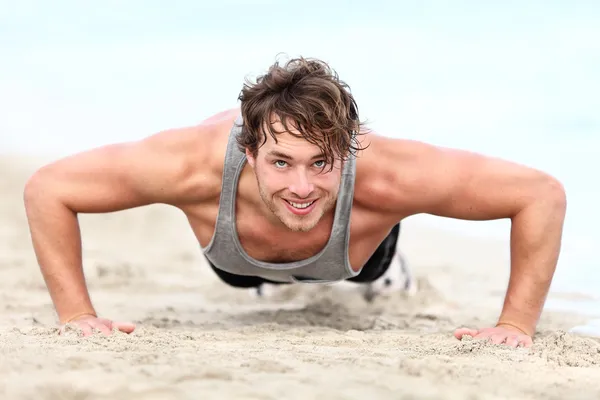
(56, 240)
(535, 245)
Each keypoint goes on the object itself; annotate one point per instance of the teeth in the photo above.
(300, 205)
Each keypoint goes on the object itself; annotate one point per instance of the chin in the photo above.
(301, 227)
(304, 224)
(295, 224)
(294, 221)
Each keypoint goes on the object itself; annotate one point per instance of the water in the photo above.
(518, 80)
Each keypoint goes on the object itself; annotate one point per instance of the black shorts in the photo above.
(375, 267)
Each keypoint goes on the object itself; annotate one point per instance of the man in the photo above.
(292, 188)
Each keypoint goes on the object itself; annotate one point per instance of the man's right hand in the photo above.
(108, 179)
(87, 323)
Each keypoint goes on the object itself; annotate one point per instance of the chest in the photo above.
(266, 244)
(263, 243)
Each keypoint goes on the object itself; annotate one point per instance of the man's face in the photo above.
(294, 180)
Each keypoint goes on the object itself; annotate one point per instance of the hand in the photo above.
(501, 334)
(87, 323)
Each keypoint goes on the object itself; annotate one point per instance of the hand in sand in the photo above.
(501, 334)
(87, 323)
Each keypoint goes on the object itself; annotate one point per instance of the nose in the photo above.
(301, 185)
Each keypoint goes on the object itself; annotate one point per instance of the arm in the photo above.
(158, 169)
(460, 184)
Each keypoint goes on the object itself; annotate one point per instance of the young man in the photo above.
(292, 188)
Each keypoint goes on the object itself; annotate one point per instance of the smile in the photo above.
(300, 208)
(300, 205)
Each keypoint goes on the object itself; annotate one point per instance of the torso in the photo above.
(262, 240)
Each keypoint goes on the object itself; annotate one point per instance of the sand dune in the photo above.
(198, 338)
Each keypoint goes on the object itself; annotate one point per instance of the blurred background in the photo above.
(514, 79)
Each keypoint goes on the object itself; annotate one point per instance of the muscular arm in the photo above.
(457, 184)
(111, 178)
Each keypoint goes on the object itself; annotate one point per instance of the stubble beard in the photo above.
(296, 223)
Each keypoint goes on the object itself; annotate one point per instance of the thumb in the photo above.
(126, 327)
(459, 333)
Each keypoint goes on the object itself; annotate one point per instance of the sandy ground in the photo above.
(199, 339)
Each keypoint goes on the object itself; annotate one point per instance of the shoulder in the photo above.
(176, 166)
(193, 155)
(397, 178)
(389, 171)
(201, 140)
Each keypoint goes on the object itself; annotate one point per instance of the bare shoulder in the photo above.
(387, 166)
(192, 157)
(187, 157)
(382, 159)
(175, 166)
(403, 177)
(205, 153)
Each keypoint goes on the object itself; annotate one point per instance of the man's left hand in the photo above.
(500, 334)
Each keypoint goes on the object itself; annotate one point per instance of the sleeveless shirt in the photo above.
(225, 251)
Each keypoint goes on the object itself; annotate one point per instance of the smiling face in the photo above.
(294, 180)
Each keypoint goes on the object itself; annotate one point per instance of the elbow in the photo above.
(36, 187)
(31, 190)
(554, 195)
(546, 199)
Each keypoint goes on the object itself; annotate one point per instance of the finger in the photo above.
(85, 328)
(459, 333)
(512, 341)
(105, 321)
(498, 338)
(104, 328)
(525, 341)
(125, 327)
(483, 334)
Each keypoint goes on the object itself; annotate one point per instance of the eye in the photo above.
(320, 164)
(280, 163)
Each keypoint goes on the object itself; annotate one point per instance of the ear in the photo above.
(250, 158)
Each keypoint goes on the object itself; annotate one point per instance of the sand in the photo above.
(199, 339)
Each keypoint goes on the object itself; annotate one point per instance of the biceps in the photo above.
(105, 179)
(464, 185)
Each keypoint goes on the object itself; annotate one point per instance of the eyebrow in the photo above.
(279, 154)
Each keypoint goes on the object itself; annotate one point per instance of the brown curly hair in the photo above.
(308, 94)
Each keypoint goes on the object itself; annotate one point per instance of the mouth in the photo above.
(300, 208)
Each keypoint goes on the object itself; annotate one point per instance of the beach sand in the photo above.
(199, 339)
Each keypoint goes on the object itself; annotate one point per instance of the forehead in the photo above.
(289, 144)
(286, 136)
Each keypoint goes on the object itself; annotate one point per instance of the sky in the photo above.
(514, 79)
(105, 71)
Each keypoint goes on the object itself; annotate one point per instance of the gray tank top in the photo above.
(225, 251)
